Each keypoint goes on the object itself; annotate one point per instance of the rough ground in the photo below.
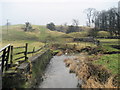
(92, 76)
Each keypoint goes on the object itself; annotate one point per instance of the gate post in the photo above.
(3, 58)
(11, 55)
(7, 58)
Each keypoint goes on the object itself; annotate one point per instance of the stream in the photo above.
(57, 74)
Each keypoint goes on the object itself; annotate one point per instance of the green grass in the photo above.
(109, 41)
(16, 33)
(40, 34)
(109, 49)
(78, 34)
(81, 45)
(110, 62)
(36, 38)
(107, 44)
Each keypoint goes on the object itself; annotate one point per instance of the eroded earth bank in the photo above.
(92, 76)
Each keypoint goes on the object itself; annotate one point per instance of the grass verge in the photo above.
(110, 62)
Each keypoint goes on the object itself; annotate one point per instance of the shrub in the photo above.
(51, 26)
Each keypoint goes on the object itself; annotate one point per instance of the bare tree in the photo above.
(90, 12)
(75, 22)
(94, 17)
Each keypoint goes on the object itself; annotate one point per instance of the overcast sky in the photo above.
(41, 12)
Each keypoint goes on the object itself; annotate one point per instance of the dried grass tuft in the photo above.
(94, 76)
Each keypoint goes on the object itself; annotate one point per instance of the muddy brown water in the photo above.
(57, 75)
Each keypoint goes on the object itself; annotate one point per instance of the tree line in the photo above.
(108, 21)
(65, 28)
(105, 20)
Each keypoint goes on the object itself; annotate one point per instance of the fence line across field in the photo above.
(7, 54)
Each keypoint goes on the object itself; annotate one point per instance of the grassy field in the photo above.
(78, 34)
(109, 41)
(80, 45)
(110, 61)
(41, 35)
(16, 36)
(35, 39)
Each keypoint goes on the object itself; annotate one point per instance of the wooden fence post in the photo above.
(7, 58)
(11, 55)
(33, 51)
(26, 47)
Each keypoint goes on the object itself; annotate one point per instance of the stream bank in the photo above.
(92, 76)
